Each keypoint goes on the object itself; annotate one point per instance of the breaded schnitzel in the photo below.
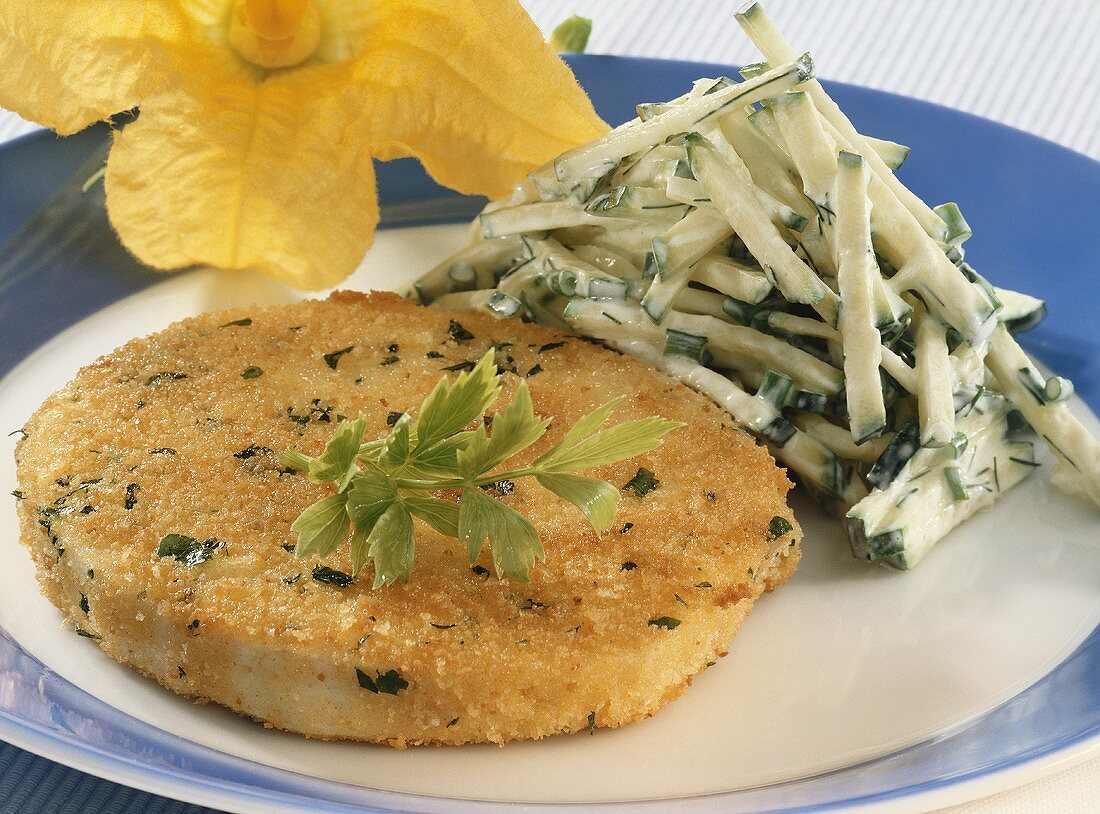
(178, 434)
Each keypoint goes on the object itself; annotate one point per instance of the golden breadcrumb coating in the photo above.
(178, 433)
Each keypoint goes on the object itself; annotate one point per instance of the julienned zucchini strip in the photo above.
(747, 240)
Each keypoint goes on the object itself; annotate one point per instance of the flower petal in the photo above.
(237, 174)
(470, 88)
(69, 64)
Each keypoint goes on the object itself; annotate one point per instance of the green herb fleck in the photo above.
(162, 451)
(642, 483)
(252, 451)
(667, 622)
(91, 573)
(443, 627)
(182, 672)
(131, 496)
(188, 550)
(238, 323)
(82, 632)
(251, 373)
(530, 604)
(333, 359)
(17, 494)
(390, 360)
(703, 585)
(387, 683)
(458, 333)
(626, 527)
(392, 418)
(628, 566)
(592, 722)
(452, 723)
(480, 570)
(465, 366)
(778, 527)
(536, 370)
(164, 376)
(434, 354)
(193, 624)
(550, 346)
(84, 604)
(322, 573)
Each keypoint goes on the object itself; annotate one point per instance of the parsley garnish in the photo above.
(252, 372)
(238, 323)
(164, 376)
(381, 485)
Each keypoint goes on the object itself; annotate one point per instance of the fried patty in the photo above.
(178, 433)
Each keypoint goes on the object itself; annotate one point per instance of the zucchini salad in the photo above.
(747, 240)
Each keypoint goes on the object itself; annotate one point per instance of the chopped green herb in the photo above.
(680, 599)
(17, 494)
(778, 527)
(182, 672)
(536, 370)
(530, 604)
(703, 585)
(710, 496)
(390, 360)
(193, 624)
(251, 373)
(84, 604)
(333, 359)
(91, 573)
(392, 418)
(458, 333)
(628, 566)
(434, 354)
(667, 622)
(392, 347)
(188, 550)
(162, 451)
(452, 723)
(251, 452)
(322, 573)
(626, 527)
(465, 367)
(293, 579)
(443, 627)
(387, 683)
(288, 547)
(238, 323)
(592, 723)
(82, 632)
(642, 483)
(131, 496)
(164, 376)
(551, 346)
(480, 570)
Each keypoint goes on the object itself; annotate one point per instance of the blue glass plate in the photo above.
(1033, 207)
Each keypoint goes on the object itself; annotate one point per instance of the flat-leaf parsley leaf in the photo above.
(383, 484)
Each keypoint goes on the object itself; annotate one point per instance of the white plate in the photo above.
(844, 665)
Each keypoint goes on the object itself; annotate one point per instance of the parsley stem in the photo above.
(462, 483)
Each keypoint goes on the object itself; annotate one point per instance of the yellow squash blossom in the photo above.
(259, 118)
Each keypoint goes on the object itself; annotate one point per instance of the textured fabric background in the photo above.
(1030, 65)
